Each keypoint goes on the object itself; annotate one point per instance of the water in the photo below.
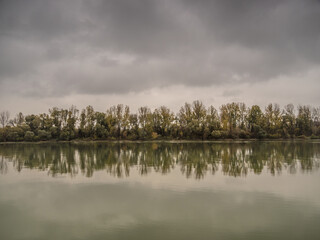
(220, 190)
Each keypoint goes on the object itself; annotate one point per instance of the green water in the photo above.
(221, 190)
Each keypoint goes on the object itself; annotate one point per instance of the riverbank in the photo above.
(166, 141)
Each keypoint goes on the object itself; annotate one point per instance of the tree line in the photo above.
(193, 122)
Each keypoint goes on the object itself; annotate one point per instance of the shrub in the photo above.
(54, 132)
(244, 134)
(44, 135)
(13, 136)
(258, 132)
(302, 137)
(29, 136)
(274, 136)
(64, 135)
(154, 135)
(216, 134)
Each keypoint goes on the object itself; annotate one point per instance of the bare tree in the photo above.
(4, 118)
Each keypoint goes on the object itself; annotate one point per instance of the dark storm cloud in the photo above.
(55, 48)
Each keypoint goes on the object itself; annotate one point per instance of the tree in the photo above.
(213, 122)
(199, 114)
(72, 120)
(55, 114)
(273, 120)
(126, 121)
(4, 118)
(185, 119)
(230, 117)
(193, 121)
(101, 126)
(145, 122)
(213, 125)
(288, 121)
(45, 122)
(90, 121)
(162, 120)
(33, 121)
(315, 121)
(83, 123)
(44, 135)
(29, 136)
(304, 121)
(17, 121)
(243, 123)
(255, 121)
(133, 126)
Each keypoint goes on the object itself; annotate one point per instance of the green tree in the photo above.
(230, 118)
(273, 120)
(316, 121)
(55, 115)
(185, 120)
(304, 121)
(145, 122)
(126, 122)
(44, 135)
(133, 126)
(29, 136)
(199, 114)
(255, 122)
(163, 118)
(288, 121)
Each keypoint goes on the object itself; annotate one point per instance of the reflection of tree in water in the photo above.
(233, 160)
(3, 165)
(193, 159)
(197, 159)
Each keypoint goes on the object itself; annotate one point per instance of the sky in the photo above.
(158, 52)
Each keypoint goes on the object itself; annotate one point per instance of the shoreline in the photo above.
(167, 141)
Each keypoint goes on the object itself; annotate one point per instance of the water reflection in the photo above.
(193, 159)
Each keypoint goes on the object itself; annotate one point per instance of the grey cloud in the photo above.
(103, 47)
(39, 20)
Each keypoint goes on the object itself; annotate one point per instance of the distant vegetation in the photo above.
(193, 121)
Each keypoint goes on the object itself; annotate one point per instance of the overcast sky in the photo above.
(158, 52)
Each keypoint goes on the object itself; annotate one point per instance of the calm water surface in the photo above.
(220, 190)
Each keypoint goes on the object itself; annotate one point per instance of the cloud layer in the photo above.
(59, 49)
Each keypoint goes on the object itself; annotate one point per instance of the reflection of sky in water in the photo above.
(82, 210)
(158, 205)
